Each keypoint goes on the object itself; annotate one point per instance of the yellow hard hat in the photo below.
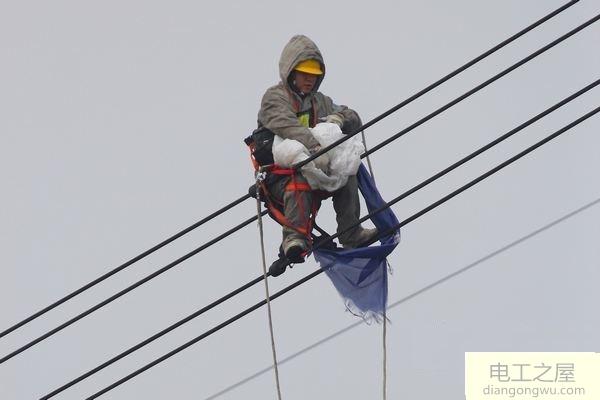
(309, 67)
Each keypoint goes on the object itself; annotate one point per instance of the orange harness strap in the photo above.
(292, 186)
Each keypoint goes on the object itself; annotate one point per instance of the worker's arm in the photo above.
(350, 118)
(277, 115)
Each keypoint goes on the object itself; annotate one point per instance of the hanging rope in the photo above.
(259, 178)
(384, 352)
(364, 140)
(384, 329)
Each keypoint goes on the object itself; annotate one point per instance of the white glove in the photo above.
(335, 119)
(321, 162)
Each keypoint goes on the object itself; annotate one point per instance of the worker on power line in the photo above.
(289, 109)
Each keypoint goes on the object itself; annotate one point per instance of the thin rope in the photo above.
(384, 329)
(384, 351)
(260, 177)
(364, 140)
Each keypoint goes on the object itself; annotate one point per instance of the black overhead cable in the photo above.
(460, 69)
(319, 271)
(484, 84)
(483, 149)
(443, 108)
(491, 172)
(241, 199)
(128, 289)
(122, 266)
(260, 278)
(424, 289)
(463, 96)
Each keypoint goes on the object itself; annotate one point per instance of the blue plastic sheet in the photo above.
(360, 275)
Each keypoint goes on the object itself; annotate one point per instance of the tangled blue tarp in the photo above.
(360, 275)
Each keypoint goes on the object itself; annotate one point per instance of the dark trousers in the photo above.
(297, 207)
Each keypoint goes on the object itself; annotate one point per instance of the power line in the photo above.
(154, 337)
(317, 272)
(434, 85)
(126, 290)
(123, 266)
(243, 198)
(412, 295)
(379, 146)
(392, 202)
(497, 168)
(421, 121)
(484, 84)
(486, 147)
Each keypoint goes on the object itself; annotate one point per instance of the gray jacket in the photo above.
(281, 105)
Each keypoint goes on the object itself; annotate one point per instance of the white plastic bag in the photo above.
(344, 159)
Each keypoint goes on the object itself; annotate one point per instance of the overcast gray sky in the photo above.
(122, 123)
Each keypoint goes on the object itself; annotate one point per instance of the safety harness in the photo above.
(258, 143)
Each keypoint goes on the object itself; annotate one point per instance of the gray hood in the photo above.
(299, 48)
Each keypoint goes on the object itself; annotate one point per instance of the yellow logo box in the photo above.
(542, 376)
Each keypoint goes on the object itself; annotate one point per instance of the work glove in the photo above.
(336, 118)
(321, 162)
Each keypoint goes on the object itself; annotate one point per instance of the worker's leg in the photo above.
(297, 206)
(347, 209)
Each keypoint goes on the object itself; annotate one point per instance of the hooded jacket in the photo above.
(281, 104)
